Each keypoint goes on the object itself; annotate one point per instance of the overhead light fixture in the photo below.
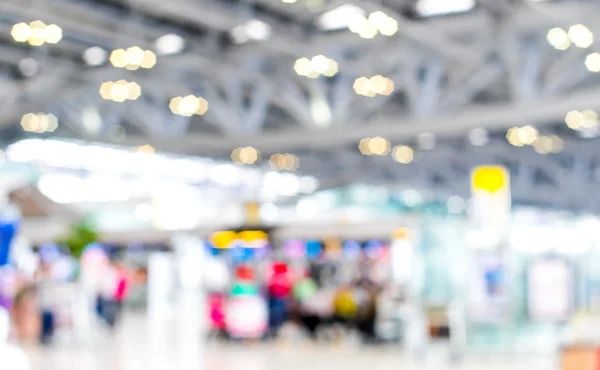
(592, 62)
(133, 58)
(169, 44)
(374, 146)
(478, 136)
(376, 85)
(578, 121)
(39, 122)
(337, 19)
(403, 154)
(188, 105)
(548, 144)
(120, 91)
(95, 56)
(36, 33)
(251, 30)
(521, 136)
(369, 27)
(284, 162)
(581, 36)
(430, 8)
(319, 65)
(245, 155)
(558, 38)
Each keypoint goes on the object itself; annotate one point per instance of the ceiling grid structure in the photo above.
(490, 67)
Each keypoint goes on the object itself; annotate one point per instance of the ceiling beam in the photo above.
(396, 128)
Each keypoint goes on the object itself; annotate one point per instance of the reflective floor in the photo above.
(174, 342)
(138, 346)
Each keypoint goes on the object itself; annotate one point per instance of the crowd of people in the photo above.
(308, 300)
(59, 293)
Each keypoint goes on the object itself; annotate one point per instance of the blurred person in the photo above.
(114, 289)
(246, 314)
(45, 285)
(279, 290)
(366, 293)
(315, 305)
(26, 315)
(122, 288)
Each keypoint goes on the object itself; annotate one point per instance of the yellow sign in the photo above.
(248, 238)
(490, 178)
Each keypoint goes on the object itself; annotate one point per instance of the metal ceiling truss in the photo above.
(491, 67)
(566, 181)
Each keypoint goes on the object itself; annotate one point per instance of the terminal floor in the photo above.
(142, 343)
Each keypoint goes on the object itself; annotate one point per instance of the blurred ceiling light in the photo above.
(558, 144)
(39, 122)
(412, 198)
(91, 120)
(403, 154)
(315, 67)
(589, 119)
(21, 32)
(520, 136)
(574, 120)
(549, 144)
(320, 112)
(36, 33)
(289, 1)
(592, 62)
(169, 44)
(478, 136)
(251, 30)
(426, 141)
(363, 146)
(543, 145)
(581, 36)
(188, 105)
(95, 56)
(284, 162)
(146, 149)
(374, 146)
(369, 27)
(558, 38)
(28, 67)
(337, 19)
(430, 8)
(133, 58)
(246, 155)
(513, 137)
(528, 135)
(53, 34)
(120, 91)
(100, 158)
(308, 184)
(376, 85)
